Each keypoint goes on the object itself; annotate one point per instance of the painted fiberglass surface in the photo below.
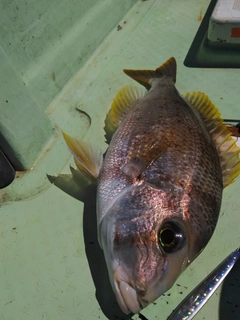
(45, 240)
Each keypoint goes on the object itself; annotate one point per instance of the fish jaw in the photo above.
(126, 295)
(131, 299)
(132, 295)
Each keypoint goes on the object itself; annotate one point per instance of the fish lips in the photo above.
(119, 275)
(132, 299)
(126, 295)
(133, 296)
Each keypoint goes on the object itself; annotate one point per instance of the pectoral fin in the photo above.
(226, 146)
(87, 161)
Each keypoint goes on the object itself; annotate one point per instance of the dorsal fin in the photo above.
(226, 146)
(120, 106)
(88, 162)
(145, 77)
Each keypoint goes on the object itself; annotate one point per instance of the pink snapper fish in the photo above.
(160, 184)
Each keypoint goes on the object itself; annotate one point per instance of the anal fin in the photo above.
(226, 146)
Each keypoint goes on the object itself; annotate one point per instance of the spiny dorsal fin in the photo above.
(88, 162)
(144, 77)
(226, 146)
(120, 106)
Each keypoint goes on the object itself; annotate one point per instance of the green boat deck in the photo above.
(61, 64)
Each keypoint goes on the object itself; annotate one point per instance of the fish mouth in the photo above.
(126, 295)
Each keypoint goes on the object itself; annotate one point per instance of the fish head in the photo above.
(149, 264)
(146, 247)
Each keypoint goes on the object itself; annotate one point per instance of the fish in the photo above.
(159, 183)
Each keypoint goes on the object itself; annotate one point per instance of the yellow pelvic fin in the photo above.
(144, 77)
(120, 106)
(226, 146)
(88, 162)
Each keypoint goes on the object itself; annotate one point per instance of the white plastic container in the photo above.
(224, 24)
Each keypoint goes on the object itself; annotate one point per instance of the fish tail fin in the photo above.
(87, 161)
(145, 77)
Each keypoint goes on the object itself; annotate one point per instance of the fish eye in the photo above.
(171, 237)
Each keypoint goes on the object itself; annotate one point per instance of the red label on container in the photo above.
(235, 33)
